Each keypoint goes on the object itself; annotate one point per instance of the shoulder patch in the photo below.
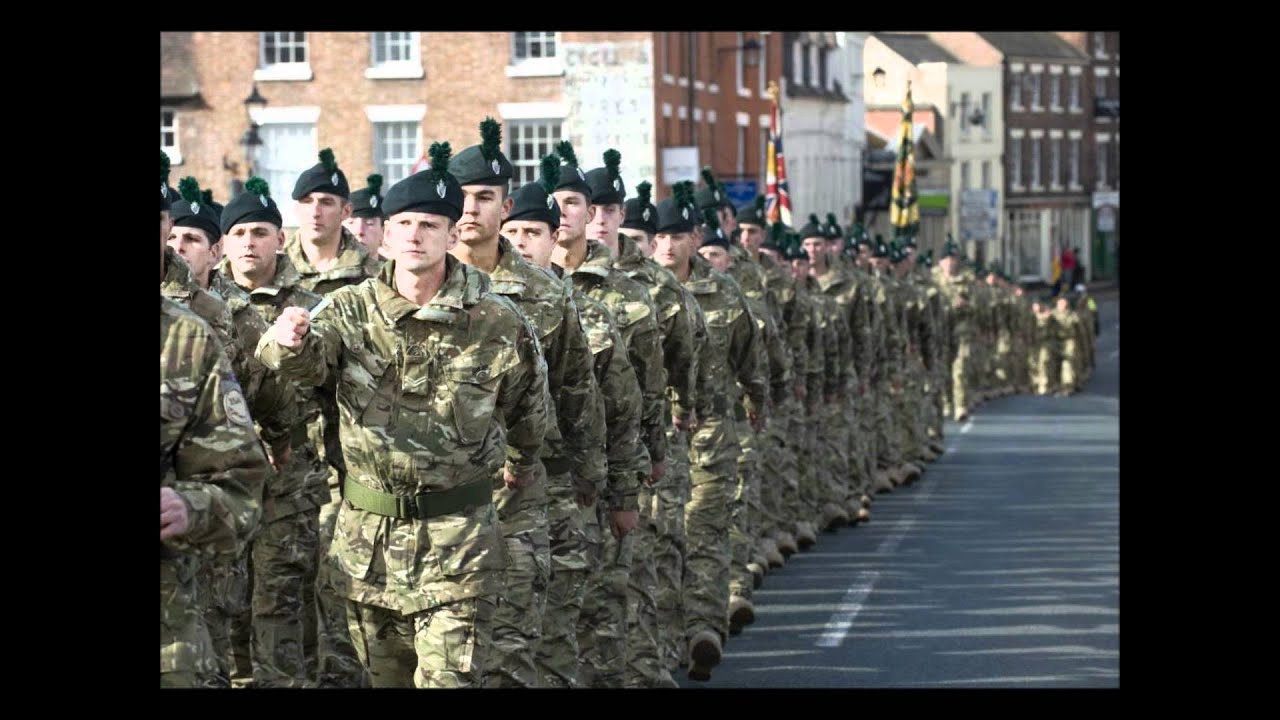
(235, 406)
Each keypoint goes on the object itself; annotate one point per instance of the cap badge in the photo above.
(333, 179)
(685, 213)
(580, 175)
(617, 185)
(195, 208)
(645, 214)
(163, 193)
(551, 200)
(440, 188)
(497, 167)
(373, 201)
(263, 199)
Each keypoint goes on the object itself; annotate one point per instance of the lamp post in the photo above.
(251, 140)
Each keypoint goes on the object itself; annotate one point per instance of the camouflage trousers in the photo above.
(776, 473)
(602, 625)
(571, 558)
(888, 444)
(186, 652)
(338, 664)
(1003, 362)
(743, 510)
(1045, 370)
(859, 467)
(961, 378)
(223, 593)
(907, 419)
(668, 505)
(932, 407)
(833, 439)
(284, 561)
(713, 456)
(807, 425)
(644, 663)
(783, 488)
(444, 647)
(1071, 366)
(517, 618)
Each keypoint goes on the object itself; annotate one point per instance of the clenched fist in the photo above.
(173, 514)
(292, 326)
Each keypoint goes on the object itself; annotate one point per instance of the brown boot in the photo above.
(833, 517)
(768, 547)
(864, 515)
(882, 481)
(866, 500)
(805, 535)
(757, 574)
(910, 473)
(741, 614)
(704, 654)
(786, 543)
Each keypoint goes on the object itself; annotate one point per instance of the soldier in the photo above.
(730, 353)
(676, 327)
(1023, 335)
(912, 324)
(327, 257)
(1068, 328)
(530, 227)
(193, 238)
(440, 383)
(284, 556)
(953, 284)
(366, 219)
(541, 524)
(822, 375)
(602, 624)
(684, 333)
(1045, 358)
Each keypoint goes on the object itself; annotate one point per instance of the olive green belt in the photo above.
(419, 507)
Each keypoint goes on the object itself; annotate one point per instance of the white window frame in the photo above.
(1073, 162)
(815, 57)
(797, 62)
(282, 71)
(740, 69)
(1100, 45)
(1015, 90)
(280, 187)
(1015, 159)
(1036, 158)
(548, 66)
(513, 132)
(408, 160)
(1073, 93)
(1055, 92)
(1102, 142)
(741, 132)
(1036, 88)
(1055, 162)
(174, 151)
(407, 69)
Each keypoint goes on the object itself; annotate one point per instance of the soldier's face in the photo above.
(418, 241)
(605, 221)
(641, 239)
(716, 255)
(1018, 291)
(673, 250)
(533, 239)
(948, 264)
(770, 253)
(367, 230)
(816, 249)
(800, 269)
(320, 216)
(251, 249)
(484, 207)
(728, 222)
(195, 247)
(752, 236)
(575, 212)
(833, 246)
(166, 223)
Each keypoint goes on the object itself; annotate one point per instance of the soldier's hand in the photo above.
(757, 421)
(659, 472)
(279, 456)
(622, 522)
(173, 514)
(681, 424)
(584, 500)
(517, 482)
(292, 325)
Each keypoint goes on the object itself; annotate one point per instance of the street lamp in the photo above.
(251, 140)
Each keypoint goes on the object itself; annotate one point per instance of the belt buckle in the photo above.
(408, 507)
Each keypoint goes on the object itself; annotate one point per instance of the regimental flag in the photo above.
(777, 197)
(904, 207)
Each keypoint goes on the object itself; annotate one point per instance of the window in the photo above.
(986, 112)
(964, 113)
(1033, 87)
(1102, 164)
(528, 141)
(396, 147)
(813, 68)
(986, 174)
(169, 134)
(1055, 92)
(764, 64)
(287, 150)
(663, 44)
(742, 150)
(393, 47)
(1024, 228)
(1100, 45)
(1073, 160)
(1073, 91)
(1055, 162)
(1035, 162)
(1015, 90)
(1100, 86)
(281, 48)
(964, 175)
(798, 62)
(532, 45)
(739, 68)
(1015, 161)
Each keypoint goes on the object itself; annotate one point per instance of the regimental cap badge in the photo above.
(440, 188)
(263, 199)
(617, 185)
(373, 201)
(497, 167)
(684, 212)
(195, 208)
(645, 214)
(333, 179)
(551, 200)
(581, 176)
(162, 191)
(716, 194)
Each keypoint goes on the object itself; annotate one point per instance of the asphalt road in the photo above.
(1000, 568)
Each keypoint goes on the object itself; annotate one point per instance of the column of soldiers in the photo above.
(454, 436)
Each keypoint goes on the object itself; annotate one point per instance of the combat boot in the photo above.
(786, 543)
(866, 500)
(805, 536)
(882, 481)
(741, 614)
(910, 473)
(864, 515)
(833, 517)
(704, 654)
(768, 547)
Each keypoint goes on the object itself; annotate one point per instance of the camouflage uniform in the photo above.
(730, 354)
(932, 354)
(1068, 328)
(284, 557)
(542, 524)
(602, 625)
(780, 498)
(432, 401)
(1046, 362)
(328, 645)
(960, 302)
(211, 456)
(842, 285)
(644, 634)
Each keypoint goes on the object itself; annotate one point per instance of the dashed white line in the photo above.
(837, 628)
(967, 426)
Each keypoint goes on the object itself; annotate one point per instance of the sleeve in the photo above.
(622, 402)
(645, 354)
(744, 356)
(522, 396)
(677, 346)
(315, 361)
(577, 405)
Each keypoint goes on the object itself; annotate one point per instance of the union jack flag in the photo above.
(777, 197)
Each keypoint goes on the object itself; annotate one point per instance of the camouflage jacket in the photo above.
(732, 335)
(574, 423)
(777, 363)
(303, 485)
(794, 316)
(620, 398)
(674, 322)
(843, 284)
(179, 286)
(209, 454)
(824, 343)
(354, 264)
(431, 399)
(633, 313)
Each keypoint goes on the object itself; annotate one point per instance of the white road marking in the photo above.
(837, 628)
(967, 426)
